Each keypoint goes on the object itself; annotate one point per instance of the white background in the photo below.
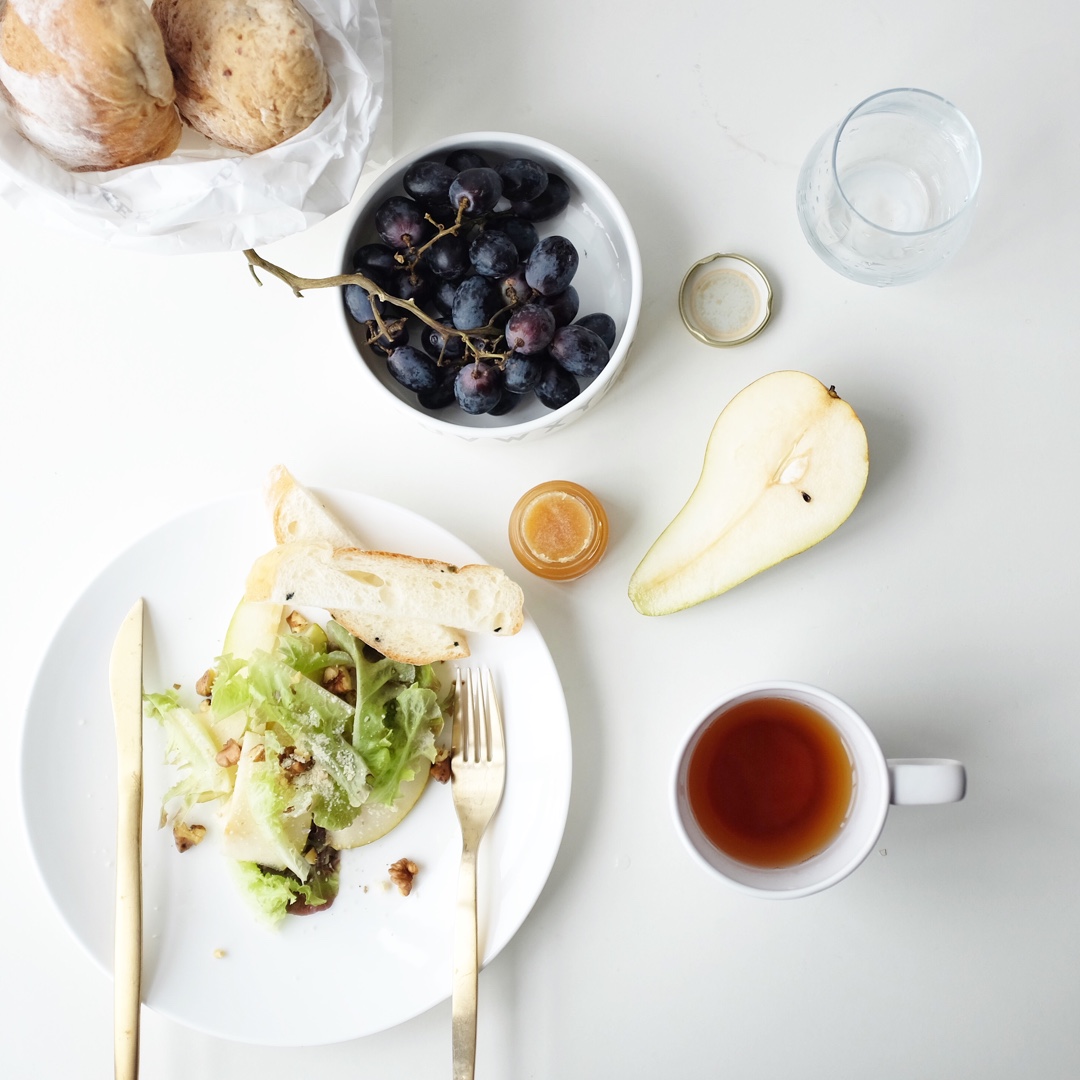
(136, 386)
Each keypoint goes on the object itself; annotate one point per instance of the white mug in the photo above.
(876, 782)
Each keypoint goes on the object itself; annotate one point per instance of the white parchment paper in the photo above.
(207, 198)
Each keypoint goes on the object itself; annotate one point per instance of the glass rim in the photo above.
(969, 203)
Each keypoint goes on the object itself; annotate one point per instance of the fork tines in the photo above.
(478, 735)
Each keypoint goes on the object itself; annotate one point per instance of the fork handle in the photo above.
(466, 964)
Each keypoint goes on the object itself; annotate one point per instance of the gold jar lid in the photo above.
(725, 300)
(558, 530)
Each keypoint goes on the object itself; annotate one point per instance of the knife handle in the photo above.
(127, 955)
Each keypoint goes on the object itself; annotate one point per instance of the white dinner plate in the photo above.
(376, 958)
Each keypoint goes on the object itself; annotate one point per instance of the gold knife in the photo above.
(125, 685)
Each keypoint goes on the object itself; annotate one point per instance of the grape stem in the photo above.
(298, 284)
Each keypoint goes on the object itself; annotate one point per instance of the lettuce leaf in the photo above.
(415, 721)
(313, 717)
(193, 749)
(272, 893)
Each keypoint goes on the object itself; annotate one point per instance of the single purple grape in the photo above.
(579, 350)
(442, 296)
(557, 387)
(459, 160)
(428, 182)
(601, 324)
(375, 261)
(523, 233)
(523, 179)
(411, 285)
(522, 373)
(475, 302)
(413, 369)
(384, 344)
(448, 258)
(507, 402)
(360, 306)
(552, 265)
(530, 329)
(514, 289)
(475, 191)
(478, 387)
(443, 394)
(564, 305)
(401, 223)
(447, 348)
(553, 200)
(493, 254)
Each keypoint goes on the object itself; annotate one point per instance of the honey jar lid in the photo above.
(558, 530)
(725, 300)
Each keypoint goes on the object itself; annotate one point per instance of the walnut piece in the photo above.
(187, 836)
(293, 762)
(402, 873)
(296, 621)
(337, 680)
(205, 683)
(229, 754)
(440, 767)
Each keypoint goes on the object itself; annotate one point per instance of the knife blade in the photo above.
(125, 685)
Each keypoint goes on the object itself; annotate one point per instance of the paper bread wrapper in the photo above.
(207, 198)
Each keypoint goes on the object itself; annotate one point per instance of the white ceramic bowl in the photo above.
(608, 279)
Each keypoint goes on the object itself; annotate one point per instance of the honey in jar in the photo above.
(558, 530)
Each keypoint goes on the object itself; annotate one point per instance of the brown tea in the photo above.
(770, 782)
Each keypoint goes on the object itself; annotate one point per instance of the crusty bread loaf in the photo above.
(249, 73)
(88, 81)
(298, 515)
(379, 583)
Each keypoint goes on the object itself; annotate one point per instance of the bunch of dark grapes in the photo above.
(502, 321)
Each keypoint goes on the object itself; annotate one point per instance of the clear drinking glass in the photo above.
(888, 194)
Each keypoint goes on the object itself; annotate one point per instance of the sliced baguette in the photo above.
(379, 584)
(297, 515)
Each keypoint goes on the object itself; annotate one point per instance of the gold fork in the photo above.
(478, 774)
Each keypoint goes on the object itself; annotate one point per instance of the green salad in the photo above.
(310, 741)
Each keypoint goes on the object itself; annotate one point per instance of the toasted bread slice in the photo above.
(297, 515)
(377, 584)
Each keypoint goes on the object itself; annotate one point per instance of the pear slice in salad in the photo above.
(255, 624)
(376, 819)
(257, 823)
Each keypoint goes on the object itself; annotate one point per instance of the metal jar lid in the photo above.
(725, 299)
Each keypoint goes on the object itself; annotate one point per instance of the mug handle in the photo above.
(925, 781)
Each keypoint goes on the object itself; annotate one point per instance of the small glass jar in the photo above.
(558, 530)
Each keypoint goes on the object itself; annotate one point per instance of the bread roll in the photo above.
(248, 73)
(88, 81)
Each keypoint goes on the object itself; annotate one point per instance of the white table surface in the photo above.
(135, 387)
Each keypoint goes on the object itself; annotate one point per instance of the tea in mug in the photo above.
(770, 782)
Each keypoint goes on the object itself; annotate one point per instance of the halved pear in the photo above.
(785, 465)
